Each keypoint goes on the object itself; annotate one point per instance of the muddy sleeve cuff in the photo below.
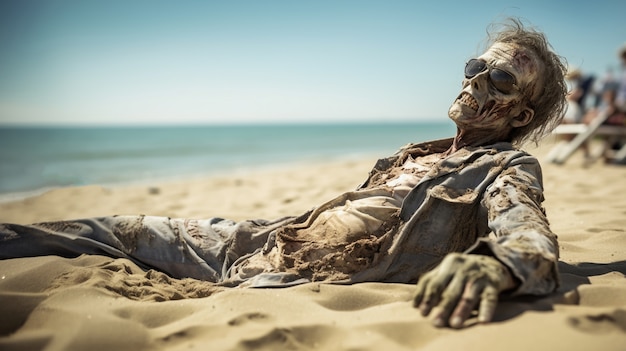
(534, 267)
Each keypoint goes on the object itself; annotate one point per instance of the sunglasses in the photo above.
(503, 81)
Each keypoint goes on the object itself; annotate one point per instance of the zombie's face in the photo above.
(497, 89)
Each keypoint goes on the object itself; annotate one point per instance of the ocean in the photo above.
(33, 159)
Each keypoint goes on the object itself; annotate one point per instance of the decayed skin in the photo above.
(459, 284)
(483, 115)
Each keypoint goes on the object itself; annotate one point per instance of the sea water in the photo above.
(37, 158)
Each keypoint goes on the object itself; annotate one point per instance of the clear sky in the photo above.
(144, 62)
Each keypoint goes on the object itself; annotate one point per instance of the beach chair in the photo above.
(607, 135)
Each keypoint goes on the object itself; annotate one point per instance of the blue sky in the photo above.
(161, 62)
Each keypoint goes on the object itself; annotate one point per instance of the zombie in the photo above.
(462, 217)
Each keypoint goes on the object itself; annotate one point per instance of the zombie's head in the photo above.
(515, 89)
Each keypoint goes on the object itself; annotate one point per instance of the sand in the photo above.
(95, 302)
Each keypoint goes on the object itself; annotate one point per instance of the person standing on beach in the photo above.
(617, 108)
(462, 217)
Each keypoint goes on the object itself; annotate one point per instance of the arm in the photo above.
(524, 241)
(521, 259)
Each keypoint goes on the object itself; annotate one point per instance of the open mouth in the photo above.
(469, 101)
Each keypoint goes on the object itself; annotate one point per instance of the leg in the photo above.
(200, 249)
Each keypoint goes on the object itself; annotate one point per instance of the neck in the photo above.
(465, 138)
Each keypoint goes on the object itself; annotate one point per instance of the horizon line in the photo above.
(224, 124)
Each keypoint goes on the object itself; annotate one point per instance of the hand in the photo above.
(458, 285)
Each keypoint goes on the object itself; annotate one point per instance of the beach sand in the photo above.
(99, 303)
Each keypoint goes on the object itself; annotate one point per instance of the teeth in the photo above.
(469, 101)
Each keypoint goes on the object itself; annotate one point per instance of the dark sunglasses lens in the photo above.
(473, 67)
(503, 81)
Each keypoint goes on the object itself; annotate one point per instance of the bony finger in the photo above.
(420, 290)
(438, 319)
(427, 305)
(432, 284)
(467, 304)
(431, 299)
(488, 302)
(450, 297)
(428, 292)
(424, 304)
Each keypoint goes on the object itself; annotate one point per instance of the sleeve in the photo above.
(523, 239)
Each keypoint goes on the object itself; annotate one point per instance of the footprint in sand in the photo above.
(601, 323)
(277, 338)
(248, 317)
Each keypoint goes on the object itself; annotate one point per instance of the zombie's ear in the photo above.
(523, 118)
